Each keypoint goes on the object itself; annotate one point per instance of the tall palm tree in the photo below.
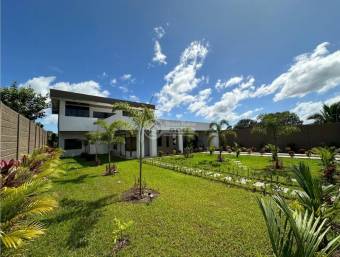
(329, 113)
(93, 138)
(223, 131)
(142, 117)
(189, 135)
(110, 134)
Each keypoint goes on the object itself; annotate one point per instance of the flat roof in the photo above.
(54, 93)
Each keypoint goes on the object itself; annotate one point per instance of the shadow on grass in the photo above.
(85, 215)
(78, 180)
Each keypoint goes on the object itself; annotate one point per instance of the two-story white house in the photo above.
(77, 114)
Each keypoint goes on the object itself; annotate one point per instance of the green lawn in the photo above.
(191, 217)
(256, 164)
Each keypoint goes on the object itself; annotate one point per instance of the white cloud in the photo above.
(158, 57)
(182, 79)
(159, 31)
(134, 98)
(178, 116)
(113, 81)
(231, 82)
(124, 89)
(305, 109)
(42, 85)
(127, 78)
(317, 71)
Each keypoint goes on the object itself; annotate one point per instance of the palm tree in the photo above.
(110, 135)
(276, 125)
(223, 130)
(328, 161)
(189, 135)
(93, 138)
(142, 117)
(294, 233)
(329, 113)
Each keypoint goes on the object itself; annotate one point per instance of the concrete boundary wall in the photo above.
(18, 135)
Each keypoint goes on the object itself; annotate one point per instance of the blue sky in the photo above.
(202, 60)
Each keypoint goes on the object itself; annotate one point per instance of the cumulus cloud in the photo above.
(159, 32)
(228, 83)
(127, 78)
(134, 98)
(158, 56)
(305, 109)
(182, 80)
(318, 71)
(113, 81)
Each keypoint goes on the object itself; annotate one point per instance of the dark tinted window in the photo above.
(159, 141)
(130, 144)
(77, 110)
(70, 144)
(102, 115)
(167, 141)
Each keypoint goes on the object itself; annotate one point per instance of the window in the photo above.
(102, 115)
(130, 144)
(77, 110)
(125, 113)
(167, 141)
(72, 144)
(159, 141)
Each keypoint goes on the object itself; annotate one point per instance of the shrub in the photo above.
(160, 153)
(174, 152)
(249, 150)
(291, 153)
(302, 150)
(211, 149)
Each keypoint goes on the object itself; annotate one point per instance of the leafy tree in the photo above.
(329, 113)
(275, 125)
(223, 131)
(24, 101)
(110, 135)
(142, 117)
(245, 123)
(94, 138)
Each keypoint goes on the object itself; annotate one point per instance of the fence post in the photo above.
(18, 128)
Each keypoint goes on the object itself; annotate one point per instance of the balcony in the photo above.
(70, 123)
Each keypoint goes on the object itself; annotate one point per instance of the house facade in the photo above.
(77, 114)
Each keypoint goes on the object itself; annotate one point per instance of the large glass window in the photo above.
(130, 144)
(72, 144)
(77, 110)
(102, 115)
(159, 141)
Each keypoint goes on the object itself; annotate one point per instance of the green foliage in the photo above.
(93, 138)
(323, 201)
(294, 233)
(245, 123)
(329, 113)
(237, 149)
(327, 156)
(110, 134)
(24, 101)
(211, 149)
(25, 199)
(120, 228)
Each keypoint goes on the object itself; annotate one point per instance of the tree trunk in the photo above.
(109, 159)
(140, 162)
(95, 148)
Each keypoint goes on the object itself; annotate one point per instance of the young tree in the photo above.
(223, 131)
(110, 135)
(329, 113)
(189, 135)
(275, 125)
(93, 138)
(142, 117)
(24, 101)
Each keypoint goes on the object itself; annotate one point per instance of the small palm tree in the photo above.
(223, 131)
(327, 156)
(142, 117)
(94, 138)
(110, 135)
(189, 135)
(275, 125)
(329, 113)
(294, 233)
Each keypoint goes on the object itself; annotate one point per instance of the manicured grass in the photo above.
(191, 217)
(260, 165)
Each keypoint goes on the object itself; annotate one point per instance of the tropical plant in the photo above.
(276, 125)
(189, 136)
(245, 123)
(211, 149)
(294, 233)
(323, 201)
(110, 136)
(24, 100)
(327, 156)
(223, 131)
(121, 227)
(142, 117)
(94, 138)
(329, 113)
(237, 149)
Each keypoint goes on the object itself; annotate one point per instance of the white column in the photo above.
(180, 141)
(153, 142)
(137, 142)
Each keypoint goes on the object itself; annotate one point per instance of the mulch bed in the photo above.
(132, 195)
(121, 243)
